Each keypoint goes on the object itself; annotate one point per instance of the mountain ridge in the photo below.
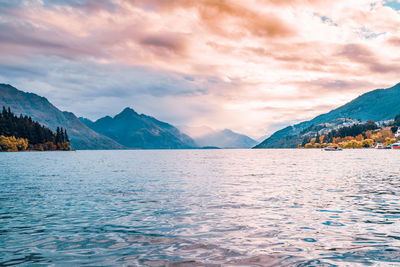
(140, 131)
(43, 111)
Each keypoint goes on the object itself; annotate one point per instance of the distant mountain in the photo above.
(41, 110)
(140, 131)
(196, 131)
(377, 105)
(207, 137)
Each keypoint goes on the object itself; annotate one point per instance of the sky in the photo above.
(253, 66)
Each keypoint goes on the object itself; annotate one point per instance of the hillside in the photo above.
(42, 111)
(22, 133)
(377, 105)
(140, 131)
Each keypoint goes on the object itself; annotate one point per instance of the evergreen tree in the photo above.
(58, 136)
(62, 137)
(317, 138)
(66, 136)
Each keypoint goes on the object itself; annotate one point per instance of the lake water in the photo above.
(200, 207)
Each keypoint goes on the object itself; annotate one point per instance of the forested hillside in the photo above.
(377, 105)
(22, 133)
(45, 113)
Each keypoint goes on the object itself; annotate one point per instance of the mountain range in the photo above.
(126, 130)
(139, 131)
(129, 129)
(377, 105)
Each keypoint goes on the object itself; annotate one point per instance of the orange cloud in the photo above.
(228, 18)
(165, 43)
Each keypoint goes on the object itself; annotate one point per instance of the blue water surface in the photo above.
(200, 208)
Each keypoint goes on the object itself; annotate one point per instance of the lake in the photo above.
(200, 207)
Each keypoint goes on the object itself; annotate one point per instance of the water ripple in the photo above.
(200, 208)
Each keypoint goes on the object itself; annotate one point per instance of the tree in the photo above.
(317, 138)
(306, 140)
(62, 138)
(66, 136)
(389, 141)
(323, 139)
(58, 135)
(12, 144)
(367, 143)
(309, 145)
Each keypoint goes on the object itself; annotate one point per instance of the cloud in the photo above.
(93, 91)
(361, 54)
(395, 41)
(228, 18)
(234, 64)
(25, 35)
(164, 44)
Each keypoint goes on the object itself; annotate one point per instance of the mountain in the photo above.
(42, 111)
(262, 138)
(207, 137)
(140, 131)
(377, 105)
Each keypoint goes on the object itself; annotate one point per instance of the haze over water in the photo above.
(222, 207)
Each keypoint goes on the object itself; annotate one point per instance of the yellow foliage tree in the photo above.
(351, 144)
(359, 137)
(12, 144)
(368, 134)
(309, 145)
(367, 143)
(389, 141)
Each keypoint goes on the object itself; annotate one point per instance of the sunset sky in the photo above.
(252, 66)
